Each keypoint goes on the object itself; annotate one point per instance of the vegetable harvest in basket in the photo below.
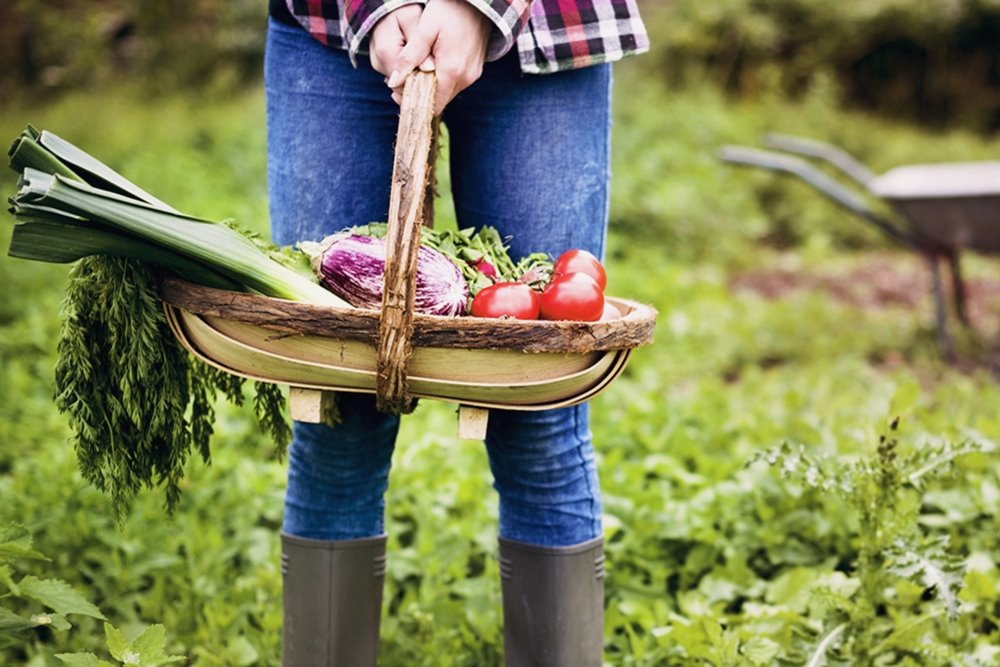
(137, 402)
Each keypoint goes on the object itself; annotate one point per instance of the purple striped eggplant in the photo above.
(351, 266)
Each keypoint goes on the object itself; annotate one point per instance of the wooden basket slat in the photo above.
(429, 362)
(253, 363)
(635, 328)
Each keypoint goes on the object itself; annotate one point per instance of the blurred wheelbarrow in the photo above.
(947, 207)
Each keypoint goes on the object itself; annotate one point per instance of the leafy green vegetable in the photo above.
(138, 404)
(49, 239)
(217, 247)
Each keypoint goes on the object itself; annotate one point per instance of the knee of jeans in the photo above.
(361, 444)
(548, 486)
(337, 476)
(537, 436)
(545, 457)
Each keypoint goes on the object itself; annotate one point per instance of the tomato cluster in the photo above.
(575, 292)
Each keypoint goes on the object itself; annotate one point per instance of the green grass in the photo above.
(670, 186)
(711, 561)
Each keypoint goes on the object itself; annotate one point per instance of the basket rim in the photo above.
(634, 329)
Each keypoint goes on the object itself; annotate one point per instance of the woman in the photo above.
(530, 156)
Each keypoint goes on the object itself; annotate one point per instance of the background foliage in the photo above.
(163, 44)
(759, 508)
(930, 61)
(934, 62)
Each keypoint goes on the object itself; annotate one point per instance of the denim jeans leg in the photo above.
(330, 132)
(530, 156)
(337, 477)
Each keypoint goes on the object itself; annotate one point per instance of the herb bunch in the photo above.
(137, 402)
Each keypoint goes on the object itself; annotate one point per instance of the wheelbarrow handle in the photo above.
(847, 198)
(840, 159)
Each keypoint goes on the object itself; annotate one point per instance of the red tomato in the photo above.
(581, 261)
(515, 300)
(574, 296)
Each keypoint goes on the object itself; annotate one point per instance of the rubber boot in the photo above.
(553, 604)
(332, 600)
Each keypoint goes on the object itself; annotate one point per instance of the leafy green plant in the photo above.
(147, 649)
(19, 615)
(28, 601)
(884, 493)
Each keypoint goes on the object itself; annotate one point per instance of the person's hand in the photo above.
(390, 35)
(454, 34)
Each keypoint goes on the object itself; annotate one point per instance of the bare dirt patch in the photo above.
(877, 281)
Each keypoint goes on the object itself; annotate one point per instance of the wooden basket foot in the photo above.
(312, 406)
(472, 422)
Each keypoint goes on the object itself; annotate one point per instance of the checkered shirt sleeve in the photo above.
(566, 34)
(509, 18)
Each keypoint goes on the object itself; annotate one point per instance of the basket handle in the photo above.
(406, 212)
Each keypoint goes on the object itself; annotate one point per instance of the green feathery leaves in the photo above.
(137, 402)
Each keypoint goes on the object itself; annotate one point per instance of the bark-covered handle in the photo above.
(406, 212)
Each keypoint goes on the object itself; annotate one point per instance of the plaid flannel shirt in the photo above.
(550, 35)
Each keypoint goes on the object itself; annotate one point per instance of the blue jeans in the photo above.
(529, 156)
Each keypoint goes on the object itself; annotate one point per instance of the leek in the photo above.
(46, 152)
(62, 241)
(214, 245)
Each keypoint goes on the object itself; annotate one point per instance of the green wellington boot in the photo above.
(553, 604)
(332, 600)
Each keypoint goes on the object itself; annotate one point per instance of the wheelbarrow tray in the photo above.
(951, 205)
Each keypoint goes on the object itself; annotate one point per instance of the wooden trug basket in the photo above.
(478, 363)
